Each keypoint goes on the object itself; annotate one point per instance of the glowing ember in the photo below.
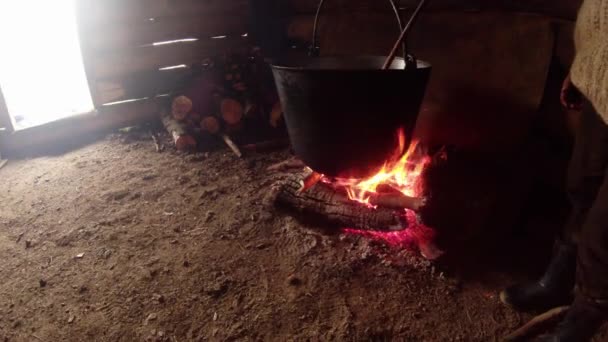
(401, 172)
(416, 235)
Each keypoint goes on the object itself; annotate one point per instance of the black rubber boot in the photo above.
(552, 290)
(582, 321)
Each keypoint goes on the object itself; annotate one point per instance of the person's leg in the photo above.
(586, 172)
(590, 308)
(585, 175)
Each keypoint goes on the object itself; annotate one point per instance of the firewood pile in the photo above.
(229, 99)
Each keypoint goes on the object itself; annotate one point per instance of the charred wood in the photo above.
(332, 206)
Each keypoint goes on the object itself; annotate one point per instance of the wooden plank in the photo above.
(310, 6)
(356, 32)
(141, 84)
(565, 9)
(66, 131)
(489, 68)
(100, 13)
(124, 35)
(125, 62)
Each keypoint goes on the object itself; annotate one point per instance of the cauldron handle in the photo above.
(314, 49)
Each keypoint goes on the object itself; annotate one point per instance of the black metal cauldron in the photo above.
(343, 113)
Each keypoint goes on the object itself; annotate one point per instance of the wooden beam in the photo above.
(142, 32)
(564, 9)
(100, 13)
(141, 84)
(122, 63)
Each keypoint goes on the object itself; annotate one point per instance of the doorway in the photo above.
(42, 73)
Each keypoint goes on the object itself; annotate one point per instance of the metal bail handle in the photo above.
(314, 48)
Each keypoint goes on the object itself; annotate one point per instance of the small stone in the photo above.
(151, 317)
(161, 333)
(262, 246)
(107, 253)
(159, 298)
(28, 244)
(294, 280)
(79, 255)
(215, 316)
(71, 318)
(209, 216)
(42, 283)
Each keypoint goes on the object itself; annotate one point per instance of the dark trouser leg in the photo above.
(592, 261)
(586, 174)
(586, 170)
(588, 226)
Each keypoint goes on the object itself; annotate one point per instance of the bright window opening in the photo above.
(41, 68)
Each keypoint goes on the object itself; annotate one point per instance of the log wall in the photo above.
(491, 59)
(130, 46)
(563, 9)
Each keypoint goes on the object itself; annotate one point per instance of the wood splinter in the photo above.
(232, 145)
(536, 324)
(157, 143)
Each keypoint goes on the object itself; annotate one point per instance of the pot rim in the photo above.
(397, 66)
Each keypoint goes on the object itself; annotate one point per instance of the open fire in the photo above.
(399, 178)
(384, 207)
(401, 173)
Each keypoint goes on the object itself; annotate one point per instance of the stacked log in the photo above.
(228, 96)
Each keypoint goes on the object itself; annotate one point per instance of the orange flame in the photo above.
(402, 172)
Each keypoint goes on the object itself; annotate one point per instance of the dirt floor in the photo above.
(116, 242)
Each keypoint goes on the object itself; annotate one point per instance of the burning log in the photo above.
(332, 206)
(397, 201)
